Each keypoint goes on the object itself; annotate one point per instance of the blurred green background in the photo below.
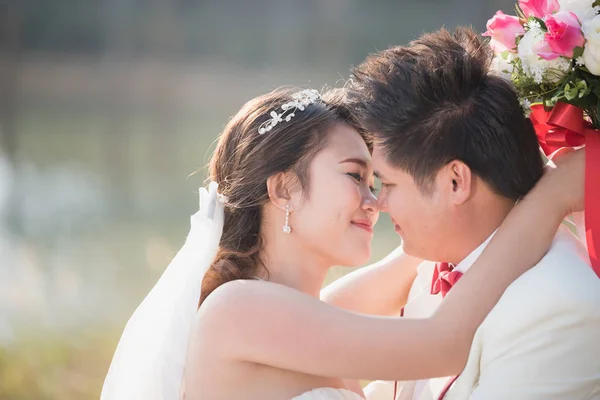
(106, 109)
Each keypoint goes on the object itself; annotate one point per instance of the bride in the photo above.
(237, 314)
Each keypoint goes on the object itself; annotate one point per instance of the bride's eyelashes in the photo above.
(358, 178)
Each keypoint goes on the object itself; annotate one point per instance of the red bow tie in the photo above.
(444, 277)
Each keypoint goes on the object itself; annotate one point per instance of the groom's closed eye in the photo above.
(383, 181)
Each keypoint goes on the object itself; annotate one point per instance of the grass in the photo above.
(51, 365)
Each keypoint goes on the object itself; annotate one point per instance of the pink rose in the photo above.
(538, 8)
(563, 36)
(503, 29)
(543, 50)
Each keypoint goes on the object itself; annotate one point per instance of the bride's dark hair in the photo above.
(243, 161)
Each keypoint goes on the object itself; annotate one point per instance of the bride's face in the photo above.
(336, 218)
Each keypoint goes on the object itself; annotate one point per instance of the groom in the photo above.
(454, 153)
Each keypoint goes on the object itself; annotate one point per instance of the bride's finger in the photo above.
(212, 199)
(202, 201)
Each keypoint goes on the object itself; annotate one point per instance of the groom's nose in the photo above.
(382, 202)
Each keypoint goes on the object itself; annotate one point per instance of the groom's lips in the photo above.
(396, 227)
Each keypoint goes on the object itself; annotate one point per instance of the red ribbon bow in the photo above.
(564, 126)
(444, 277)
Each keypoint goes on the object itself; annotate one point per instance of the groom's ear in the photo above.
(461, 181)
(281, 188)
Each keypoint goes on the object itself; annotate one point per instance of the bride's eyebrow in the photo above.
(358, 161)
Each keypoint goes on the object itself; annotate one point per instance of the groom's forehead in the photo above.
(383, 171)
(380, 162)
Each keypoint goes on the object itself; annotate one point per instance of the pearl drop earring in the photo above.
(287, 228)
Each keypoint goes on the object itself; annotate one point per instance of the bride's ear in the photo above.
(281, 188)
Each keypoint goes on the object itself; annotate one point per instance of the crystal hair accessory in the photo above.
(299, 101)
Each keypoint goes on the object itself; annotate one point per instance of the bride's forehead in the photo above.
(345, 141)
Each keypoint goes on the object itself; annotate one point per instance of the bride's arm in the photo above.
(378, 289)
(274, 325)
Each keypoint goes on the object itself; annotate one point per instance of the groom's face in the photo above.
(422, 219)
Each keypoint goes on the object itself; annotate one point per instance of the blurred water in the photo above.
(75, 235)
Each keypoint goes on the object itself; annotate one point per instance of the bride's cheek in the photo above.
(350, 196)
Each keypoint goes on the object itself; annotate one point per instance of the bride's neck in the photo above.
(290, 265)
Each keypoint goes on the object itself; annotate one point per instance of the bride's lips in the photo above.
(364, 224)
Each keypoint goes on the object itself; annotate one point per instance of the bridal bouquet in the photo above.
(550, 50)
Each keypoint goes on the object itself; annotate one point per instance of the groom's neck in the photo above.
(481, 220)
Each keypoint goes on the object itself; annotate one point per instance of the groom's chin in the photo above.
(413, 251)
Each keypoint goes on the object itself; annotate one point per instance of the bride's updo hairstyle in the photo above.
(257, 143)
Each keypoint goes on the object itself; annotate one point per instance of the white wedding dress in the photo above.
(329, 394)
(150, 358)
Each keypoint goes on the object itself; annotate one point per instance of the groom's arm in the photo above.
(378, 289)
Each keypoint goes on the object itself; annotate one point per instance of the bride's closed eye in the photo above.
(357, 177)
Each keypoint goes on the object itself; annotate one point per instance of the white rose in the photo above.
(535, 66)
(582, 8)
(591, 51)
(502, 65)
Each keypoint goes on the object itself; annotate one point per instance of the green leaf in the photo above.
(596, 3)
(582, 88)
(578, 51)
(596, 90)
(571, 94)
(541, 22)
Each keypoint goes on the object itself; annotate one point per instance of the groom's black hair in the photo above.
(436, 100)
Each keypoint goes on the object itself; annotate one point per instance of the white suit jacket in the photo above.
(541, 341)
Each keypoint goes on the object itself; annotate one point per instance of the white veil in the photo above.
(150, 358)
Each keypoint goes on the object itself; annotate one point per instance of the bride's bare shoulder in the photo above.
(242, 300)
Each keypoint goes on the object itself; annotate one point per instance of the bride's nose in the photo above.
(369, 202)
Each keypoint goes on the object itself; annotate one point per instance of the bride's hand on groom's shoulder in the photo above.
(566, 172)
